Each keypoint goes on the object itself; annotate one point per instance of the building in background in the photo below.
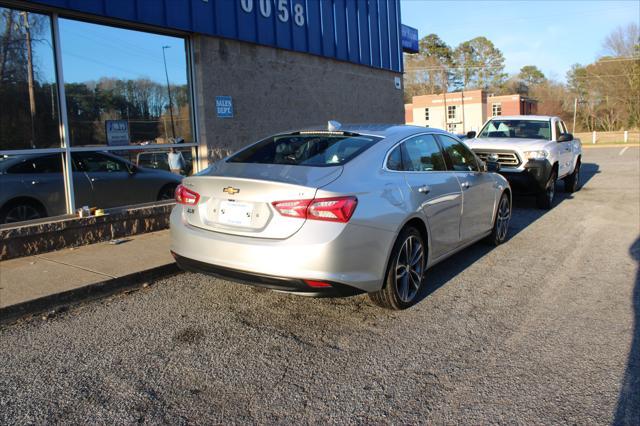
(456, 114)
(93, 90)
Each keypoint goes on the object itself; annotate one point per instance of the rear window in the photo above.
(318, 150)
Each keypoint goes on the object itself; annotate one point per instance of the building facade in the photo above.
(94, 90)
(461, 112)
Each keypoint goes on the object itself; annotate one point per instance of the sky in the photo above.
(553, 35)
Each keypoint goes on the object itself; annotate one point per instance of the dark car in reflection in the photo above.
(32, 185)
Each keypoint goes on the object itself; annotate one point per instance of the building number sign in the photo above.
(281, 9)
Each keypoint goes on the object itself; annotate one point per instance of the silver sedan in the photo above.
(339, 211)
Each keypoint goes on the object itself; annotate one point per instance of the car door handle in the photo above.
(35, 182)
(465, 185)
(424, 189)
(94, 179)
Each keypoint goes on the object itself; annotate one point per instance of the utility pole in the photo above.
(166, 73)
(575, 111)
(32, 96)
(445, 88)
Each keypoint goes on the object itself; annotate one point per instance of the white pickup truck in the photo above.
(533, 152)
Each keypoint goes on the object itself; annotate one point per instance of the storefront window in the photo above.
(107, 179)
(124, 87)
(28, 92)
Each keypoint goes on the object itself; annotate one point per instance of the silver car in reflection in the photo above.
(33, 186)
(339, 211)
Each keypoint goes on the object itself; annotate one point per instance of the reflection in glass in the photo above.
(124, 87)
(28, 93)
(116, 179)
(32, 187)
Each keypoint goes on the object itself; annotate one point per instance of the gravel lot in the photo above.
(543, 329)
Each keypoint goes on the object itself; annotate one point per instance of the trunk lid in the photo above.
(235, 198)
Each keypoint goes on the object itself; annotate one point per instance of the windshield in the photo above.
(319, 150)
(520, 129)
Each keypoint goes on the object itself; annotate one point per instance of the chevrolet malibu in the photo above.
(339, 211)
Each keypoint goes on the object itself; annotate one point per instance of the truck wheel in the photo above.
(405, 272)
(501, 221)
(572, 182)
(544, 199)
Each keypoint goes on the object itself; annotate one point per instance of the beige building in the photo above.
(459, 114)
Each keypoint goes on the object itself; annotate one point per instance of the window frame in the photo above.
(427, 114)
(493, 109)
(455, 112)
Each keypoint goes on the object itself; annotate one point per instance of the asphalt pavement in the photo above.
(543, 329)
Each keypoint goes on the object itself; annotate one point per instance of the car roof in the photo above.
(524, 117)
(381, 130)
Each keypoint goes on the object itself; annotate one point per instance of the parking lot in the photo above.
(543, 329)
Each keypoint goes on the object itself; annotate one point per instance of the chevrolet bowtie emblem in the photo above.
(231, 190)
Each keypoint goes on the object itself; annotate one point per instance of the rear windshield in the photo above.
(522, 129)
(316, 150)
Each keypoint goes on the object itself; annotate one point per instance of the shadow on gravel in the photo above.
(628, 411)
(524, 214)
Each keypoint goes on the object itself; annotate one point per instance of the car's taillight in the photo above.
(338, 209)
(186, 196)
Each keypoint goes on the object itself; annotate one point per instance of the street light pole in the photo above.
(166, 73)
(575, 110)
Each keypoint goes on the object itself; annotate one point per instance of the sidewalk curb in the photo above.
(93, 291)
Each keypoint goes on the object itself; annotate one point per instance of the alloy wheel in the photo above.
(504, 215)
(21, 213)
(409, 269)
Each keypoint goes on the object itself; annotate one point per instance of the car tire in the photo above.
(21, 210)
(168, 192)
(544, 199)
(401, 290)
(572, 182)
(501, 221)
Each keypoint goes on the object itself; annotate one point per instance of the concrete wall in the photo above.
(275, 90)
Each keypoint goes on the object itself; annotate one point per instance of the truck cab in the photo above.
(533, 151)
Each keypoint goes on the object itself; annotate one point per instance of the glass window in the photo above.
(451, 112)
(319, 150)
(394, 161)
(422, 154)
(124, 87)
(496, 109)
(28, 92)
(122, 178)
(426, 114)
(32, 187)
(461, 159)
(521, 129)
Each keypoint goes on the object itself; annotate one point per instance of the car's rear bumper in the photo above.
(344, 255)
(294, 285)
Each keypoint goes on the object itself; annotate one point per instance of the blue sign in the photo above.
(224, 106)
(364, 32)
(410, 42)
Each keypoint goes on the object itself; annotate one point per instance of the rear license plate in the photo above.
(234, 213)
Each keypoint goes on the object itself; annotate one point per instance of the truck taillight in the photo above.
(186, 196)
(337, 209)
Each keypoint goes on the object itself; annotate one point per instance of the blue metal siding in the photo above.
(360, 31)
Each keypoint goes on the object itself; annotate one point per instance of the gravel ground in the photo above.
(543, 329)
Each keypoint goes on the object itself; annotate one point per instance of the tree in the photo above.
(479, 64)
(531, 75)
(622, 41)
(427, 72)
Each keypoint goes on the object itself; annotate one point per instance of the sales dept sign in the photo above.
(117, 132)
(224, 106)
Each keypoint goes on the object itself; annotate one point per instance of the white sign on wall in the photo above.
(117, 132)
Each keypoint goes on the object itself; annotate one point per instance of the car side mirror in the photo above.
(565, 137)
(471, 134)
(493, 166)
